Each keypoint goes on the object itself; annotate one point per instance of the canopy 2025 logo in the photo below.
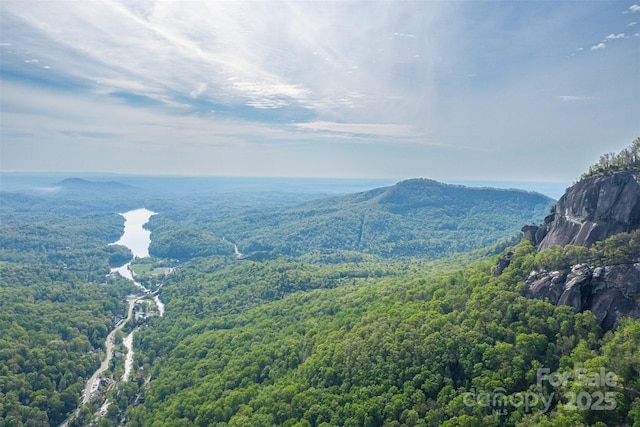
(597, 400)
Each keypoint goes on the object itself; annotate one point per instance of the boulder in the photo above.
(546, 286)
(610, 293)
(529, 233)
(503, 262)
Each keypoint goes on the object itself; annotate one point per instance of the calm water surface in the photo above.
(136, 237)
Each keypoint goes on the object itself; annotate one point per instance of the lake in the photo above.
(135, 236)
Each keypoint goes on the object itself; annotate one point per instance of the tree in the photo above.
(628, 159)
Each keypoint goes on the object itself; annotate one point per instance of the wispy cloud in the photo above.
(404, 35)
(93, 135)
(262, 55)
(633, 9)
(362, 129)
(159, 50)
(209, 84)
(270, 95)
(570, 98)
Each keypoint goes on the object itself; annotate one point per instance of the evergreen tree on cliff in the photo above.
(626, 160)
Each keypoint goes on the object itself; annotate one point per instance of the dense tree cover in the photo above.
(50, 231)
(56, 200)
(621, 248)
(413, 218)
(628, 159)
(56, 308)
(53, 327)
(406, 348)
(314, 327)
(63, 241)
(171, 240)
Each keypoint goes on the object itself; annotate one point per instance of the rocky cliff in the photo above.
(610, 292)
(592, 210)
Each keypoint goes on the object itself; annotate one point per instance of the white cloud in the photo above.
(199, 90)
(389, 130)
(634, 8)
(569, 98)
(269, 95)
(311, 55)
(615, 36)
(404, 35)
(163, 50)
(631, 24)
(266, 104)
(236, 75)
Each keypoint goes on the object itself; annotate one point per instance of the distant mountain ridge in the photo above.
(79, 184)
(417, 217)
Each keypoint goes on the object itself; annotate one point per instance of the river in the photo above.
(137, 239)
(125, 271)
(94, 382)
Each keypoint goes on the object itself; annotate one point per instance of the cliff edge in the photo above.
(590, 211)
(609, 292)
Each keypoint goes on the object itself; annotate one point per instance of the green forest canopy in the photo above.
(330, 337)
(628, 159)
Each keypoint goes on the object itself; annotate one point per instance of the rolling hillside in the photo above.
(412, 218)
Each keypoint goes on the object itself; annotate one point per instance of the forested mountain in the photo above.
(336, 315)
(412, 218)
(84, 187)
(57, 306)
(418, 217)
(406, 347)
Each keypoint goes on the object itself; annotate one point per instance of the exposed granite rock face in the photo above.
(546, 285)
(593, 209)
(503, 262)
(529, 233)
(610, 293)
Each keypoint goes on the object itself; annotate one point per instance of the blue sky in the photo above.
(486, 90)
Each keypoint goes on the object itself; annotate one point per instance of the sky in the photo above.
(467, 90)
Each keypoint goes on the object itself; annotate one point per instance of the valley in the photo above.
(137, 240)
(415, 304)
(308, 213)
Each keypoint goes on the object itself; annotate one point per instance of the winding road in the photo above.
(94, 382)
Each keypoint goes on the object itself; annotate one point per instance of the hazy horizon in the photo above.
(20, 181)
(524, 91)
